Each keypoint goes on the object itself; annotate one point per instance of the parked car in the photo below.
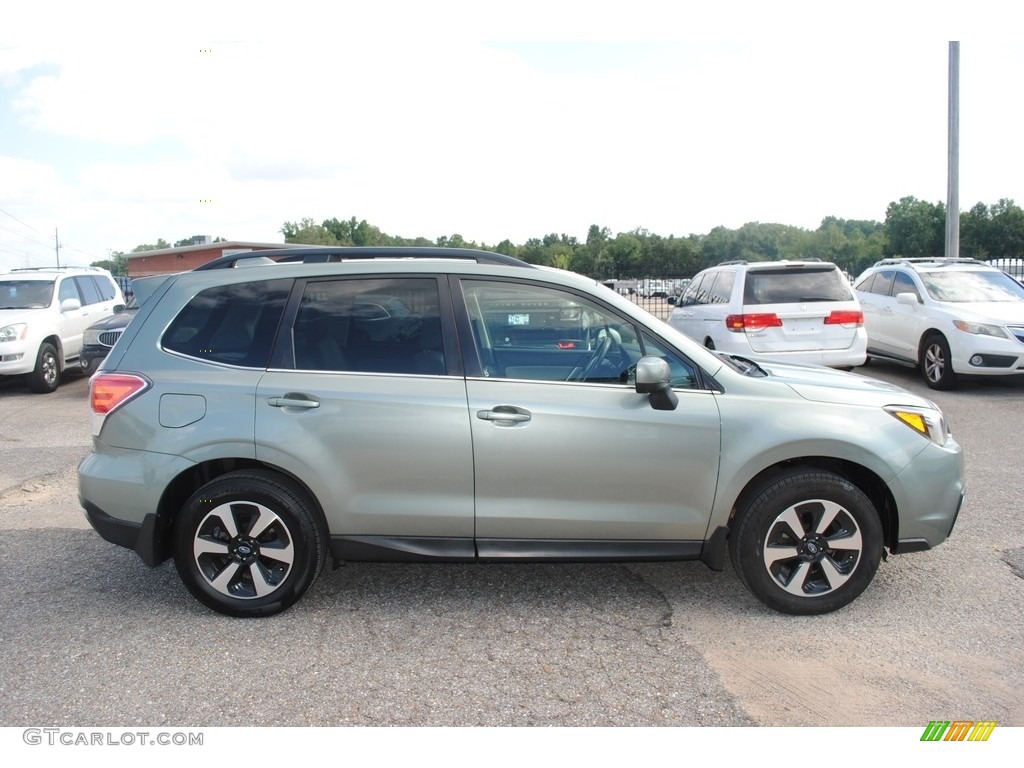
(251, 422)
(43, 314)
(100, 337)
(650, 288)
(947, 317)
(796, 311)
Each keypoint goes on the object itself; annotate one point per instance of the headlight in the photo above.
(14, 332)
(91, 337)
(981, 329)
(927, 422)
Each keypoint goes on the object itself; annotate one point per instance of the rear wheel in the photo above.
(808, 542)
(936, 364)
(249, 543)
(46, 375)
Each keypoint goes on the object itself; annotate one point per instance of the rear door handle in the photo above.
(505, 415)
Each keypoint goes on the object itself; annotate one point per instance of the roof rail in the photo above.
(731, 262)
(926, 260)
(323, 255)
(57, 269)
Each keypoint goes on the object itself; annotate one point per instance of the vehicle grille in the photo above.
(109, 338)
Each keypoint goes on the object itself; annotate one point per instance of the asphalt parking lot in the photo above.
(92, 636)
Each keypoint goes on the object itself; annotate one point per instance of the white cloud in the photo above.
(403, 114)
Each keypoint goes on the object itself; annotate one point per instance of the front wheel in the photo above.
(46, 375)
(936, 364)
(249, 543)
(808, 542)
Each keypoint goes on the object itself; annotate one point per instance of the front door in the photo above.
(565, 451)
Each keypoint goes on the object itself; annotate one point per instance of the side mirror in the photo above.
(671, 300)
(907, 298)
(118, 308)
(70, 305)
(654, 378)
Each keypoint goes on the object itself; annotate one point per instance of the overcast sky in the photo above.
(120, 124)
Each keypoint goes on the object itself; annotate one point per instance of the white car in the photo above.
(43, 314)
(791, 311)
(948, 317)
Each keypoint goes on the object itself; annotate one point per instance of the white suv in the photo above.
(793, 311)
(43, 313)
(946, 316)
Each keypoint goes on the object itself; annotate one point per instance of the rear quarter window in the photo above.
(232, 324)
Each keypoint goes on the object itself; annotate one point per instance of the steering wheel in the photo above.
(607, 337)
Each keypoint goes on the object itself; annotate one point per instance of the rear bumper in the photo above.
(143, 539)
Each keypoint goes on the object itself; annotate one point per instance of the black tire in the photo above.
(249, 543)
(936, 363)
(808, 542)
(45, 377)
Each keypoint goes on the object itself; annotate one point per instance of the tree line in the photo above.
(912, 228)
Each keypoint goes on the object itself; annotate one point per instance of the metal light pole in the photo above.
(953, 173)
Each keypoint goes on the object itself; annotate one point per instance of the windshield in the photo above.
(968, 286)
(25, 294)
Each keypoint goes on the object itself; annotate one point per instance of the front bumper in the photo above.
(929, 493)
(91, 357)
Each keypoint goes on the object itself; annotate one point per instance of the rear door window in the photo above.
(370, 325)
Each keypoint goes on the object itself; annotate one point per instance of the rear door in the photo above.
(368, 407)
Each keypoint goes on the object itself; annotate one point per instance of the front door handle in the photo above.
(505, 415)
(293, 401)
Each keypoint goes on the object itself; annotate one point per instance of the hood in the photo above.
(119, 320)
(827, 385)
(11, 316)
(1011, 312)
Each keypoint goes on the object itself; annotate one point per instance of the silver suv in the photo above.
(797, 311)
(43, 315)
(382, 404)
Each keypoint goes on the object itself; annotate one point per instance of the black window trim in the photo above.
(705, 382)
(282, 357)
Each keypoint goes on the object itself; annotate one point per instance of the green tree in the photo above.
(307, 232)
(117, 264)
(1006, 233)
(915, 228)
(625, 254)
(158, 245)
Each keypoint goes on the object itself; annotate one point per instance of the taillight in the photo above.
(108, 391)
(752, 322)
(845, 317)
